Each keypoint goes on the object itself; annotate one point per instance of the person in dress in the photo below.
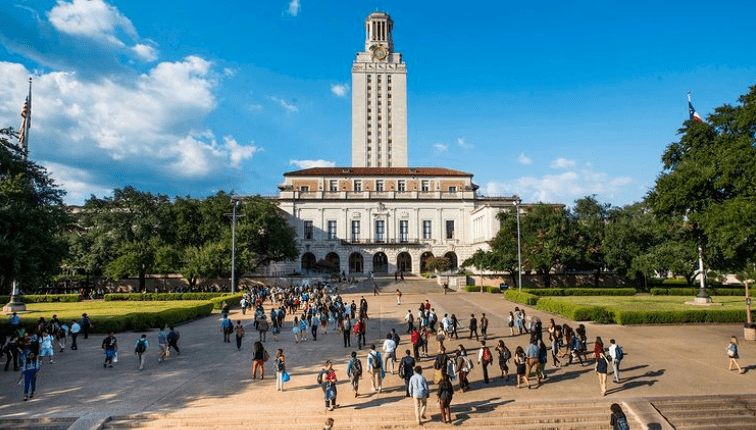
(732, 353)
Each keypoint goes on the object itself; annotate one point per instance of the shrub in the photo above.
(675, 281)
(472, 289)
(490, 289)
(145, 320)
(676, 317)
(230, 299)
(44, 298)
(522, 298)
(694, 291)
(555, 292)
(576, 312)
(138, 297)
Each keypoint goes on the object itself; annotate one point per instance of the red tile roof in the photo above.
(378, 171)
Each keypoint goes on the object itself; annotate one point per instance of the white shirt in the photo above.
(613, 351)
(389, 346)
(446, 322)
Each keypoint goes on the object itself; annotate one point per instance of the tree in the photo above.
(32, 219)
(438, 264)
(262, 235)
(590, 223)
(548, 240)
(709, 180)
(127, 230)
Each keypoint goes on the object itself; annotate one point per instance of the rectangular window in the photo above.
(379, 186)
(426, 229)
(331, 229)
(402, 186)
(403, 231)
(308, 230)
(357, 185)
(450, 229)
(355, 231)
(425, 186)
(380, 230)
(452, 189)
(333, 186)
(304, 189)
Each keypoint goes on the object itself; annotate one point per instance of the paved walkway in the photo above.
(669, 360)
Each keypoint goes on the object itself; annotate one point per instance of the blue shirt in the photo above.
(532, 351)
(418, 386)
(15, 320)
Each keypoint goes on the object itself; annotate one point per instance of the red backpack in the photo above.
(357, 328)
(487, 357)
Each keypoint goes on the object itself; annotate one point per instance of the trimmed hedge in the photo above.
(140, 297)
(553, 292)
(490, 289)
(677, 317)
(575, 311)
(230, 299)
(521, 298)
(694, 291)
(145, 320)
(44, 298)
(675, 281)
(472, 289)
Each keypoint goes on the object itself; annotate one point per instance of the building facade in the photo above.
(379, 215)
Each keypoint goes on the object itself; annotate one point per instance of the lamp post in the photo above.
(516, 204)
(234, 204)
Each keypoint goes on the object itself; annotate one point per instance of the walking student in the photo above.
(258, 360)
(445, 394)
(484, 326)
(75, 330)
(280, 366)
(239, 329)
(375, 368)
(226, 326)
(406, 369)
(485, 358)
(473, 327)
(616, 353)
(732, 353)
(418, 390)
(173, 337)
(163, 349)
(110, 345)
(140, 348)
(29, 370)
(354, 372)
(327, 379)
(602, 364)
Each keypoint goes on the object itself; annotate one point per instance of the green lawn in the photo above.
(119, 315)
(661, 303)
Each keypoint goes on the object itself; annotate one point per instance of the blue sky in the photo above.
(552, 102)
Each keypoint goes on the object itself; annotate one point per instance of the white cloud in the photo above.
(97, 20)
(229, 71)
(440, 147)
(562, 163)
(149, 121)
(307, 164)
(254, 107)
(78, 183)
(145, 52)
(524, 159)
(290, 107)
(294, 8)
(564, 187)
(340, 90)
(462, 144)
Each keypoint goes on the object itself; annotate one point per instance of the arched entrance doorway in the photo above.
(380, 263)
(308, 262)
(452, 257)
(333, 262)
(424, 260)
(356, 263)
(404, 262)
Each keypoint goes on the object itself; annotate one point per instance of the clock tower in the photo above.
(379, 99)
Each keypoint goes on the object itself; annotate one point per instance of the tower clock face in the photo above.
(379, 52)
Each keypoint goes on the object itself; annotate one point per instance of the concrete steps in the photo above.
(44, 423)
(523, 416)
(709, 413)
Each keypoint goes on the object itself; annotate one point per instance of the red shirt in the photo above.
(415, 337)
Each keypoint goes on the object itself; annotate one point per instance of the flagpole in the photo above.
(27, 121)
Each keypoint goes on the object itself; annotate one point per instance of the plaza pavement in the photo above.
(212, 376)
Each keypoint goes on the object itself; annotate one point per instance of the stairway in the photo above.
(43, 423)
(496, 414)
(708, 413)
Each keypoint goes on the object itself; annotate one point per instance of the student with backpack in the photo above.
(327, 380)
(616, 355)
(239, 329)
(445, 394)
(406, 368)
(618, 420)
(375, 368)
(173, 337)
(227, 326)
(354, 372)
(140, 348)
(485, 358)
(346, 329)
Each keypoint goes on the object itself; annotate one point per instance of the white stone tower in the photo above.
(379, 99)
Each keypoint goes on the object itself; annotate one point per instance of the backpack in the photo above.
(140, 347)
(395, 338)
(320, 377)
(487, 357)
(172, 336)
(621, 423)
(440, 362)
(619, 354)
(356, 328)
(376, 361)
(506, 354)
(357, 367)
(266, 356)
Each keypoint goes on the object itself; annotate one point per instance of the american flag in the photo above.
(24, 123)
(693, 114)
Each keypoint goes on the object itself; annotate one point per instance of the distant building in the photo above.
(379, 215)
